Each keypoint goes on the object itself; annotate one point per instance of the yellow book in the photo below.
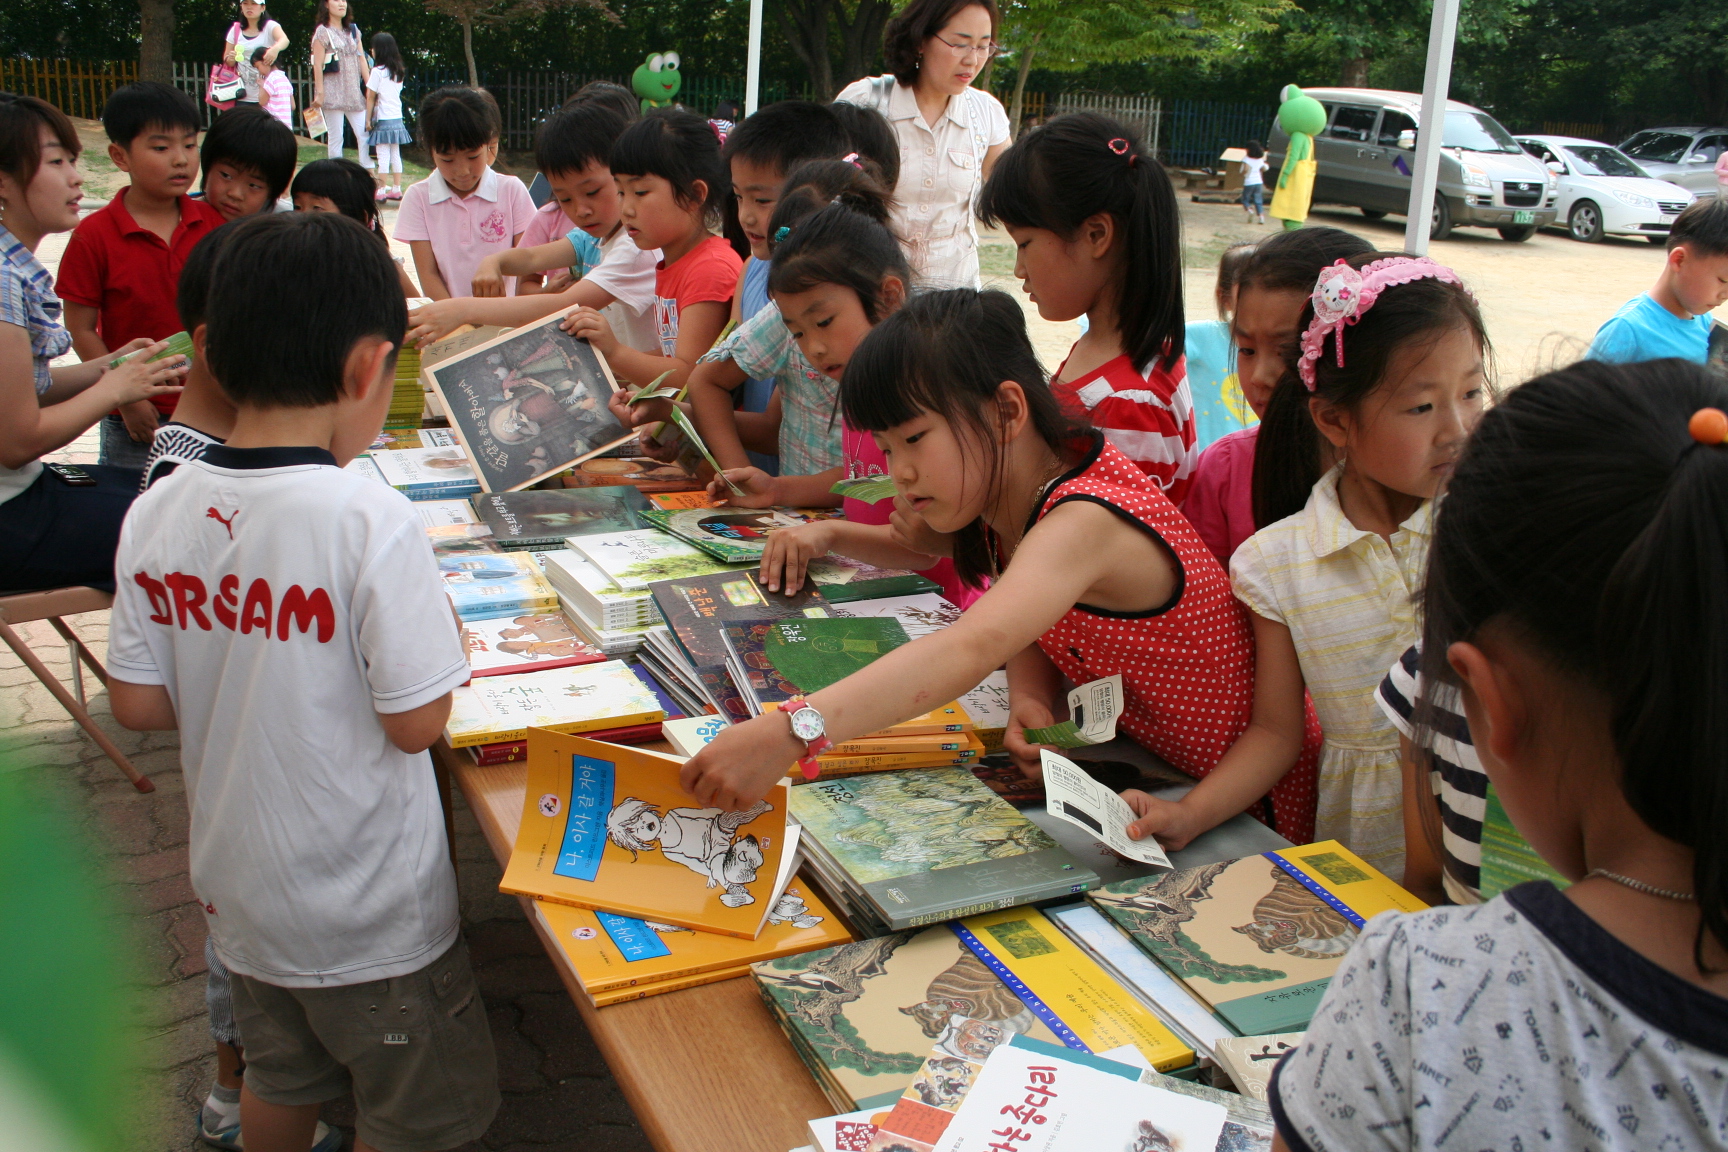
(1066, 988)
(678, 983)
(607, 827)
(586, 698)
(618, 952)
(956, 743)
(947, 719)
(856, 765)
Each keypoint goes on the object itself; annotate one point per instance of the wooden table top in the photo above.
(706, 1069)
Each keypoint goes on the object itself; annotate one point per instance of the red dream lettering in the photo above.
(158, 593)
(227, 600)
(299, 608)
(255, 613)
(188, 598)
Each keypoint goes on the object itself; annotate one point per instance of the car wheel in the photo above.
(1374, 213)
(1585, 223)
(1518, 233)
(1440, 219)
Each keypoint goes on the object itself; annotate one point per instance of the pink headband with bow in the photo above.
(1343, 294)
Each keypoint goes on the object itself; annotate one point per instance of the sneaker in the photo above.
(381, 195)
(395, 193)
(324, 1137)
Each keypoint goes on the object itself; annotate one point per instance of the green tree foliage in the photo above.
(467, 13)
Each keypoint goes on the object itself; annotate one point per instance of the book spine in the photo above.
(634, 913)
(493, 609)
(640, 991)
(508, 752)
(902, 760)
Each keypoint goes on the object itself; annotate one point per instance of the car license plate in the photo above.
(1523, 217)
(1667, 218)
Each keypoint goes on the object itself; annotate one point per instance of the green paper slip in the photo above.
(1093, 709)
(869, 489)
(179, 344)
(654, 392)
(689, 430)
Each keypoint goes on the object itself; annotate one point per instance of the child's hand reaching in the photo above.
(789, 552)
(757, 486)
(1173, 824)
(587, 324)
(488, 280)
(909, 529)
(434, 321)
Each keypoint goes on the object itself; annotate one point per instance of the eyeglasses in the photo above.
(988, 49)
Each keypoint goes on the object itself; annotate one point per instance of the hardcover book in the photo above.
(527, 403)
(542, 519)
(845, 580)
(459, 539)
(1259, 938)
(919, 614)
(525, 644)
(772, 661)
(428, 473)
(734, 535)
(495, 709)
(442, 513)
(697, 608)
(645, 475)
(922, 846)
(495, 584)
(395, 439)
(634, 560)
(608, 827)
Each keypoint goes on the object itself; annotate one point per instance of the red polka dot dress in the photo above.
(1187, 667)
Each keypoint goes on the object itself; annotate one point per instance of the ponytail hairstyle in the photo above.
(947, 353)
(1585, 516)
(1079, 165)
(386, 55)
(1287, 455)
(831, 227)
(681, 148)
(348, 186)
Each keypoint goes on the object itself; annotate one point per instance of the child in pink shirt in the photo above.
(464, 211)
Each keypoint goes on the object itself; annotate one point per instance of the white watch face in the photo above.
(807, 724)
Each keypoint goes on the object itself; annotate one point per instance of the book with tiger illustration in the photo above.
(607, 827)
(1258, 938)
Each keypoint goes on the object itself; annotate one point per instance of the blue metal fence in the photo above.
(1196, 131)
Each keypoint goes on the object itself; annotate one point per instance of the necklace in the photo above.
(1640, 886)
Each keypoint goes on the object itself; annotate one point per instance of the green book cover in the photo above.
(1507, 858)
(814, 653)
(933, 844)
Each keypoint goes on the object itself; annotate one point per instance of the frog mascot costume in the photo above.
(657, 80)
(1302, 117)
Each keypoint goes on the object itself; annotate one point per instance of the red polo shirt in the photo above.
(125, 271)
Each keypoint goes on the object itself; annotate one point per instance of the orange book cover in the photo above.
(607, 827)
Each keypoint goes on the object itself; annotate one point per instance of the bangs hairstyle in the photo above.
(614, 96)
(869, 134)
(1287, 461)
(1702, 227)
(679, 147)
(144, 104)
(947, 353)
(252, 140)
(22, 119)
(346, 185)
(1583, 515)
(1057, 176)
(321, 15)
(780, 135)
(459, 119)
(387, 55)
(903, 37)
(576, 136)
(840, 235)
(192, 297)
(345, 290)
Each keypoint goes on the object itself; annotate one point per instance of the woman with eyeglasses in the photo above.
(950, 133)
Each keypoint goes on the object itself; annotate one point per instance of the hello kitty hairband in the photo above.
(1343, 294)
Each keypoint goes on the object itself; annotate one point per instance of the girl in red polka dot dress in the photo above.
(1093, 571)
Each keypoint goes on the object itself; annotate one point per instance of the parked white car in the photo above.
(1603, 192)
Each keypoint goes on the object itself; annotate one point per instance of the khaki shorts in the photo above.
(415, 1050)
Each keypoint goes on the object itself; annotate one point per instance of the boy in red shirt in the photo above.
(121, 269)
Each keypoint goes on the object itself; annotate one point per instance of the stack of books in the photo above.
(541, 520)
(407, 394)
(646, 893)
(486, 585)
(634, 560)
(660, 653)
(897, 850)
(613, 620)
(585, 698)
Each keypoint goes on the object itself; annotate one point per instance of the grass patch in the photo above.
(412, 172)
(996, 260)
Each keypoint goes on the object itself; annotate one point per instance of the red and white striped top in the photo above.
(1148, 416)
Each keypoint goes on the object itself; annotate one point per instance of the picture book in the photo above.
(1059, 981)
(394, 439)
(1003, 777)
(362, 466)
(495, 584)
(593, 593)
(864, 1016)
(929, 1102)
(612, 641)
(460, 539)
(633, 560)
(542, 519)
(1507, 858)
(847, 1132)
(844, 580)
(691, 734)
(524, 644)
(675, 501)
(698, 607)
(961, 745)
(510, 751)
(773, 660)
(1250, 1060)
(608, 827)
(734, 535)
(579, 699)
(919, 614)
(1258, 938)
(923, 846)
(645, 475)
(527, 403)
(987, 705)
(428, 473)
(832, 765)
(1029, 1099)
(441, 513)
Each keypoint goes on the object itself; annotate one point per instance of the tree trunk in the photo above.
(468, 50)
(1017, 106)
(156, 49)
(1355, 72)
(861, 39)
(805, 23)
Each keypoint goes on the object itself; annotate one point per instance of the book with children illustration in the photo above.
(530, 643)
(440, 473)
(735, 535)
(527, 403)
(633, 560)
(585, 698)
(773, 660)
(1258, 938)
(541, 520)
(608, 828)
(697, 608)
(491, 584)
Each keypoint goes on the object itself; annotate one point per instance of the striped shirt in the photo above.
(1455, 772)
(1348, 598)
(1148, 416)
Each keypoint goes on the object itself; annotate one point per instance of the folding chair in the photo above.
(51, 605)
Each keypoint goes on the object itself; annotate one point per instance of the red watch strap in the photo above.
(807, 763)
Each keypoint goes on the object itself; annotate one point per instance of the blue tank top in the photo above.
(757, 393)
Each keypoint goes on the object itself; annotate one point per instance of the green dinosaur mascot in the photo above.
(1303, 118)
(657, 80)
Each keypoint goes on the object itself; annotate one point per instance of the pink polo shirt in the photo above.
(1220, 501)
(464, 230)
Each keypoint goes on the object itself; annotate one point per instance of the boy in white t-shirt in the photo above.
(287, 617)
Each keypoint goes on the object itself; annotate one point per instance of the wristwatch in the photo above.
(808, 726)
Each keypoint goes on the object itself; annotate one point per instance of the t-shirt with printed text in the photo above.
(1148, 416)
(707, 273)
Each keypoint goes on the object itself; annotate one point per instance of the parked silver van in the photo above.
(1367, 152)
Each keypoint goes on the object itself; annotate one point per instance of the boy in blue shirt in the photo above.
(1673, 318)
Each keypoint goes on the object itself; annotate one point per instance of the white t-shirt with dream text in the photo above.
(283, 603)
